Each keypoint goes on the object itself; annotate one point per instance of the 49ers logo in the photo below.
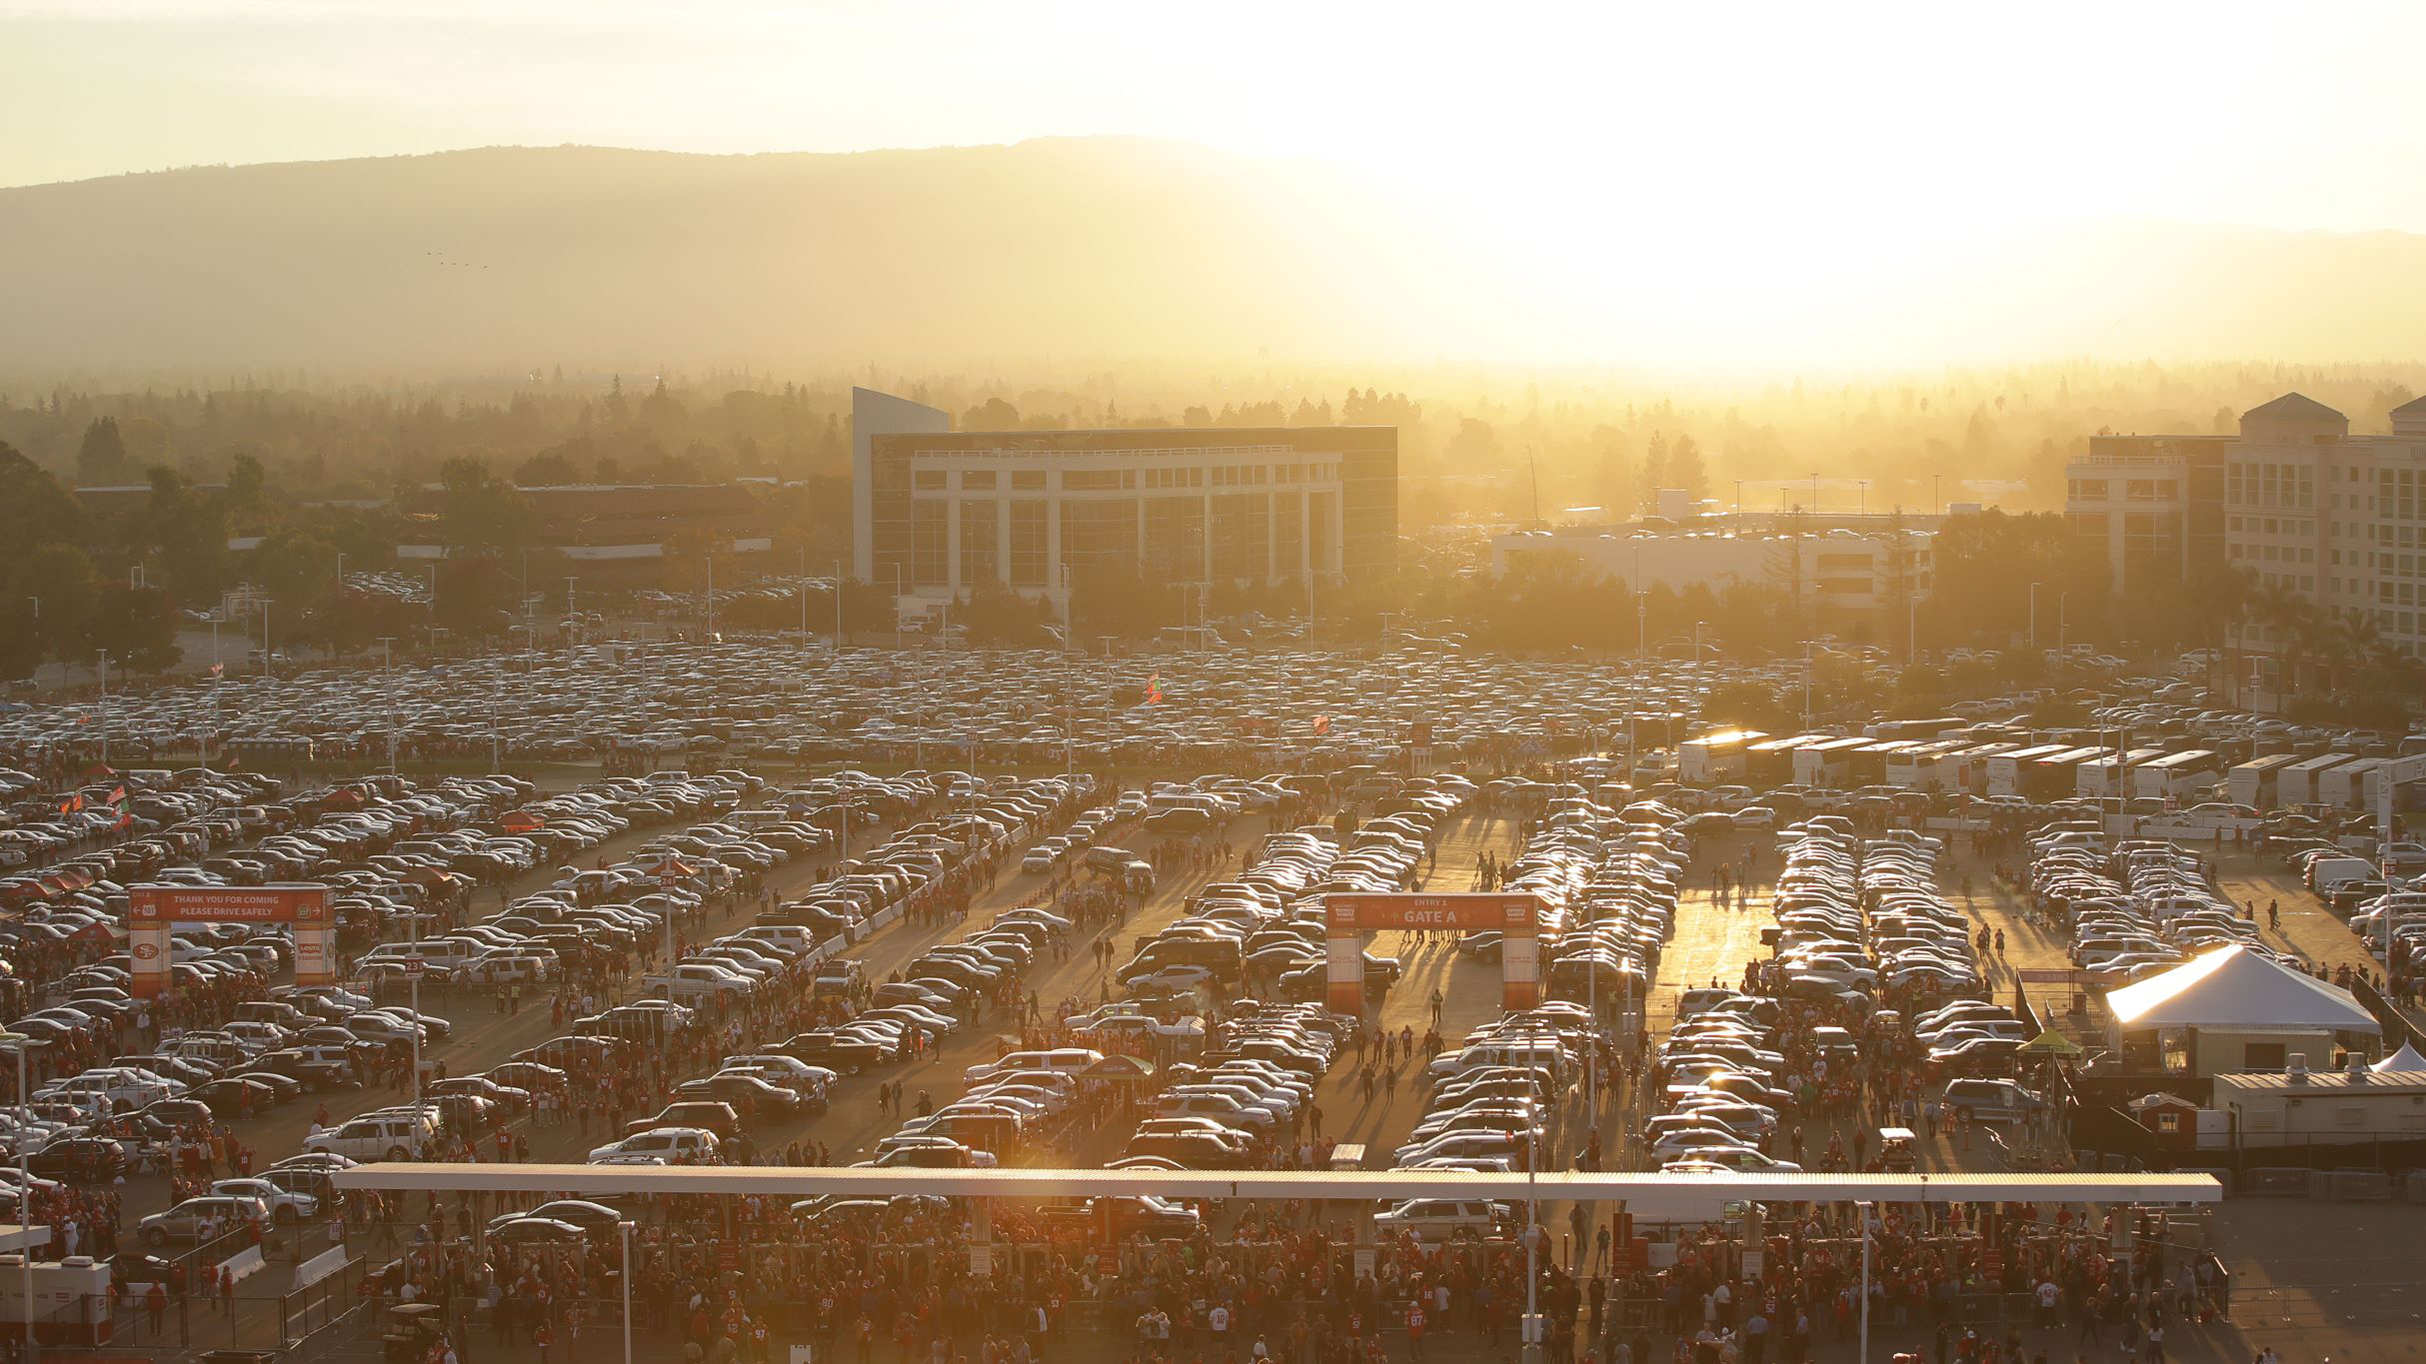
(145, 951)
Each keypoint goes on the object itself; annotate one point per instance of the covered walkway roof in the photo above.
(1645, 1195)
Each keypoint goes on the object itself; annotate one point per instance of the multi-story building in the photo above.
(938, 511)
(2303, 504)
(2155, 504)
(1845, 568)
(620, 535)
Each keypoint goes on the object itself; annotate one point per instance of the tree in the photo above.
(1685, 469)
(101, 458)
(61, 578)
(136, 627)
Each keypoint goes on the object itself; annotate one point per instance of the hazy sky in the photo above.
(2296, 116)
(1821, 145)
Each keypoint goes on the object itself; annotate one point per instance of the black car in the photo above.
(313, 1074)
(746, 1093)
(79, 1160)
(236, 1095)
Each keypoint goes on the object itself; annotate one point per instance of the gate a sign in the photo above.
(151, 910)
(1517, 917)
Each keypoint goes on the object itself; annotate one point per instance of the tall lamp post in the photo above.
(1863, 1210)
(623, 1230)
(24, 1045)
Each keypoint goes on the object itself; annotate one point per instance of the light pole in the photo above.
(265, 636)
(623, 1228)
(1865, 502)
(105, 707)
(23, 1045)
(2034, 618)
(387, 683)
(1863, 1209)
(838, 607)
(1936, 507)
(2059, 620)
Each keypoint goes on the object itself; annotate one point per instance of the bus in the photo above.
(2296, 784)
(1771, 761)
(2255, 783)
(1825, 763)
(1914, 729)
(2057, 775)
(2343, 785)
(1716, 757)
(2006, 770)
(2107, 772)
(1967, 769)
(1921, 767)
(2177, 774)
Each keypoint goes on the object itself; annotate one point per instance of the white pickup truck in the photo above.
(694, 980)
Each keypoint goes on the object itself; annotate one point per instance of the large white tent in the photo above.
(2404, 1061)
(2239, 990)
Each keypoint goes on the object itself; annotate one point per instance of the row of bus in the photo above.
(1988, 762)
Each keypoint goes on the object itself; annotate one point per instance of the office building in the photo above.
(1844, 567)
(939, 511)
(2296, 499)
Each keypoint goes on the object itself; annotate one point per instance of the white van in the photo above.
(1540, 1054)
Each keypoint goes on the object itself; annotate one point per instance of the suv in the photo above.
(658, 1146)
(1992, 1100)
(1439, 1219)
(220, 1213)
(373, 1136)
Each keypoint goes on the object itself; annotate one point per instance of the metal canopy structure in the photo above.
(1684, 1197)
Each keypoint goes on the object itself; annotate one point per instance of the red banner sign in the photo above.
(1376, 913)
(228, 904)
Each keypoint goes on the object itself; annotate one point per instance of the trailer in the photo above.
(2257, 782)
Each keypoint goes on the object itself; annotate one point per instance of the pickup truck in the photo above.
(696, 980)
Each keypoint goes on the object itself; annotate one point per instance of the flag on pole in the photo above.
(218, 668)
(1154, 690)
(1322, 724)
(118, 796)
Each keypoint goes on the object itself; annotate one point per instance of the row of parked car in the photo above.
(937, 992)
(2137, 907)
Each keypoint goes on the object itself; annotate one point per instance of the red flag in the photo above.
(1322, 724)
(126, 820)
(1153, 690)
(118, 796)
(68, 806)
(218, 668)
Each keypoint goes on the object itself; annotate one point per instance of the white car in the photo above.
(658, 1146)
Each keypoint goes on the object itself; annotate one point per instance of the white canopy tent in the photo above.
(2237, 990)
(2405, 1061)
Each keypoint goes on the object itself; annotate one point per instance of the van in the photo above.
(1992, 1100)
(1108, 860)
(2326, 874)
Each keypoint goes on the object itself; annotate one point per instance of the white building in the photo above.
(1847, 568)
(2294, 498)
(938, 511)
